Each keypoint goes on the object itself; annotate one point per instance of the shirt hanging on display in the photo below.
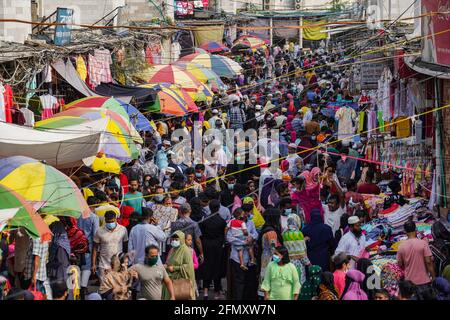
(345, 116)
(8, 102)
(29, 117)
(48, 104)
(2, 103)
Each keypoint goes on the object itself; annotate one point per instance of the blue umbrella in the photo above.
(139, 121)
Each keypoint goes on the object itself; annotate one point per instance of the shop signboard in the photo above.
(63, 33)
(435, 27)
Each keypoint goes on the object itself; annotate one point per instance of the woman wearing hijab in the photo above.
(281, 280)
(366, 267)
(353, 282)
(269, 239)
(321, 241)
(307, 194)
(327, 291)
(294, 241)
(179, 264)
(59, 252)
(310, 289)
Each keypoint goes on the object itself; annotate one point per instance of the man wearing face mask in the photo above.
(109, 240)
(226, 187)
(200, 177)
(353, 242)
(286, 210)
(152, 276)
(144, 234)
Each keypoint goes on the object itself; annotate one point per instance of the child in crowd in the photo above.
(194, 255)
(381, 294)
(239, 230)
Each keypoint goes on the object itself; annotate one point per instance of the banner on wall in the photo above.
(314, 33)
(205, 34)
(436, 46)
(63, 33)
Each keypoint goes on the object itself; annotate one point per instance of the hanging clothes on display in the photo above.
(8, 102)
(104, 57)
(49, 103)
(384, 93)
(402, 128)
(81, 68)
(17, 117)
(175, 51)
(346, 116)
(47, 74)
(31, 87)
(28, 116)
(149, 56)
(2, 103)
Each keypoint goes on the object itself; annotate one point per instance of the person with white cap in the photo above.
(214, 118)
(166, 177)
(353, 242)
(258, 114)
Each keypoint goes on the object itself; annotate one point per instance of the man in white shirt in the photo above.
(333, 213)
(353, 242)
(212, 120)
(292, 155)
(307, 116)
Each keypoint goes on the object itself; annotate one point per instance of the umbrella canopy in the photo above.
(127, 111)
(171, 74)
(117, 142)
(214, 47)
(170, 101)
(36, 181)
(249, 42)
(205, 75)
(105, 164)
(15, 212)
(181, 94)
(222, 66)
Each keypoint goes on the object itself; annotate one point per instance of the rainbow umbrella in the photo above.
(21, 214)
(205, 75)
(222, 66)
(36, 181)
(127, 111)
(188, 97)
(117, 142)
(169, 101)
(171, 74)
(249, 42)
(200, 50)
(214, 47)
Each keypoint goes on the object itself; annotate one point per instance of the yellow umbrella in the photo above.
(106, 165)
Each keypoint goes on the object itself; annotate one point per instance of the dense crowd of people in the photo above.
(171, 227)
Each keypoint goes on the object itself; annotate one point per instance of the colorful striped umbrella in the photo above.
(171, 74)
(117, 143)
(181, 94)
(36, 181)
(222, 66)
(23, 215)
(214, 47)
(249, 42)
(138, 120)
(169, 101)
(205, 75)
